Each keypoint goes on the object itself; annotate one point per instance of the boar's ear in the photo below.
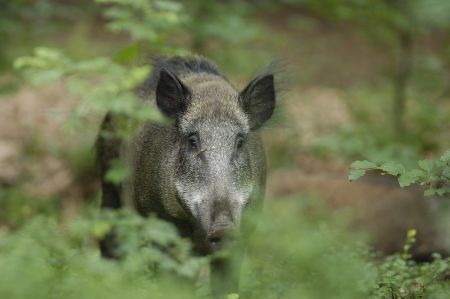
(171, 95)
(258, 100)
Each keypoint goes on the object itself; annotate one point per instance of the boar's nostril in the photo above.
(214, 242)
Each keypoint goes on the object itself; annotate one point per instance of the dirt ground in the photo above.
(35, 146)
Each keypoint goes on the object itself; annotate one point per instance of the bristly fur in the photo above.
(178, 66)
(280, 69)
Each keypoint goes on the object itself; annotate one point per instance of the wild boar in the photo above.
(205, 170)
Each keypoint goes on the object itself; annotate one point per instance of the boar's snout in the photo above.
(215, 239)
(218, 239)
(220, 235)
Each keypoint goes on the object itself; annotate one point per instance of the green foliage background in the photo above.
(299, 249)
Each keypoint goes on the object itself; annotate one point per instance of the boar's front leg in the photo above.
(225, 273)
(108, 150)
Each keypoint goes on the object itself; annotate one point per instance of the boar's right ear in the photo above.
(171, 95)
(258, 100)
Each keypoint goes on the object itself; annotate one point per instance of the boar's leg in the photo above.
(108, 149)
(225, 274)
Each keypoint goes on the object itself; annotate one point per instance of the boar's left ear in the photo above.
(171, 95)
(258, 100)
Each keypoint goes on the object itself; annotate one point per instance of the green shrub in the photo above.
(46, 260)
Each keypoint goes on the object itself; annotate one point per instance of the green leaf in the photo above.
(127, 54)
(406, 179)
(46, 76)
(100, 229)
(410, 177)
(426, 165)
(411, 234)
(118, 172)
(363, 165)
(445, 157)
(392, 168)
(430, 192)
(442, 191)
(355, 174)
(439, 191)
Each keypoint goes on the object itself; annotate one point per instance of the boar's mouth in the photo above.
(214, 227)
(219, 240)
(219, 236)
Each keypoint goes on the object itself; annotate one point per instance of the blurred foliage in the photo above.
(149, 24)
(106, 84)
(226, 32)
(389, 16)
(404, 117)
(151, 21)
(23, 23)
(64, 261)
(372, 137)
(101, 84)
(305, 253)
(18, 209)
(298, 251)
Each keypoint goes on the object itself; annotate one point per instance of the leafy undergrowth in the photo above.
(298, 251)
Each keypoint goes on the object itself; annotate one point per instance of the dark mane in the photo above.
(179, 66)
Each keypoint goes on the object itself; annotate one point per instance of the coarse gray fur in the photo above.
(205, 169)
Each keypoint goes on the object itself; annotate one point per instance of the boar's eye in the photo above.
(239, 141)
(193, 141)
